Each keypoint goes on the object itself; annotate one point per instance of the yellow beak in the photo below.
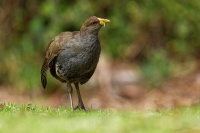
(103, 21)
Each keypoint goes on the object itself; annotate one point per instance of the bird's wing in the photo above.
(48, 59)
(58, 43)
(53, 51)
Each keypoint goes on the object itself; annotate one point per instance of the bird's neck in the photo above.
(88, 38)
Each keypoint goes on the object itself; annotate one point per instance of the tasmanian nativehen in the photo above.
(72, 57)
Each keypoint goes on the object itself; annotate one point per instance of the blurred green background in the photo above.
(161, 36)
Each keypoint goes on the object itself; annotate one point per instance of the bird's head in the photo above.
(93, 24)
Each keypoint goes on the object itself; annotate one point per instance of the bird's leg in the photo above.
(70, 91)
(80, 102)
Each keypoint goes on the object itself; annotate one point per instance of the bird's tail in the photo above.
(43, 73)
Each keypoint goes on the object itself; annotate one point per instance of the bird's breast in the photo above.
(89, 58)
(77, 61)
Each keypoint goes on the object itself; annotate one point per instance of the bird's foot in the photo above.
(80, 107)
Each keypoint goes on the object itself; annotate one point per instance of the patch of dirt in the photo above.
(183, 91)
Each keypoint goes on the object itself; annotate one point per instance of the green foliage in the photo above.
(157, 67)
(29, 118)
(28, 26)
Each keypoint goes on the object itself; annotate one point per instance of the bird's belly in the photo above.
(71, 69)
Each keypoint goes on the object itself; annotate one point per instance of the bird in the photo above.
(72, 57)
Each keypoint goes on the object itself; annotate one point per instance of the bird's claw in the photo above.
(80, 107)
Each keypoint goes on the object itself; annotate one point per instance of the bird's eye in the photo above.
(93, 23)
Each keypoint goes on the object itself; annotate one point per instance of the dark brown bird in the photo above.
(73, 56)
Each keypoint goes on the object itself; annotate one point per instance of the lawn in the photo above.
(32, 119)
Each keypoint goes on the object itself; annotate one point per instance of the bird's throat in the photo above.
(89, 39)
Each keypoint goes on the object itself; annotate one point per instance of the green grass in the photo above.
(32, 119)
